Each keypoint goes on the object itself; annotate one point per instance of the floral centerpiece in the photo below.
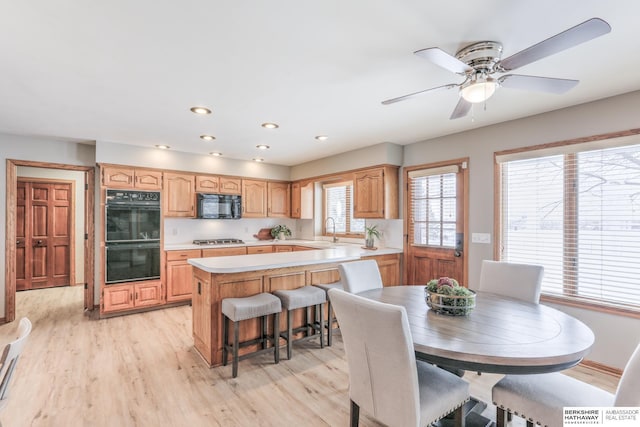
(446, 296)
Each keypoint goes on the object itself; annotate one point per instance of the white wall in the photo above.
(384, 153)
(34, 149)
(185, 230)
(599, 117)
(78, 197)
(107, 152)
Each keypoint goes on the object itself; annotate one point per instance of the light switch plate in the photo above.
(481, 238)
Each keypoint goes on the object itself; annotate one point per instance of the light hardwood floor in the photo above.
(141, 370)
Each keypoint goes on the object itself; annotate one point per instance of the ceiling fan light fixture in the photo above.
(478, 90)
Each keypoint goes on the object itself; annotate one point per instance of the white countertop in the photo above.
(318, 244)
(244, 263)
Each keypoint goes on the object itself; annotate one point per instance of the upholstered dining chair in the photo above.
(520, 281)
(540, 398)
(360, 276)
(385, 379)
(9, 359)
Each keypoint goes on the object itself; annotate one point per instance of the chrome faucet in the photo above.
(335, 239)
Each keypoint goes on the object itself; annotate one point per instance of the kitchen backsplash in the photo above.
(183, 230)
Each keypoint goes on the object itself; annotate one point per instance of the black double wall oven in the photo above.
(132, 243)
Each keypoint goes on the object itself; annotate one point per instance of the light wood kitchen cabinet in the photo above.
(282, 248)
(179, 195)
(302, 200)
(132, 295)
(230, 185)
(278, 199)
(303, 248)
(389, 266)
(259, 249)
(239, 250)
(207, 184)
(376, 193)
(131, 178)
(180, 274)
(254, 198)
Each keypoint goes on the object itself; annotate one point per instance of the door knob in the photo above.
(39, 242)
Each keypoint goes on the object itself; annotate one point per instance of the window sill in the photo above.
(603, 308)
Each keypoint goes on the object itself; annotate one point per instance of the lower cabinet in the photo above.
(179, 274)
(132, 295)
(389, 266)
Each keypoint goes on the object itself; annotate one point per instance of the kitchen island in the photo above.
(216, 278)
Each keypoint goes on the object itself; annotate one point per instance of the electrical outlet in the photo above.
(174, 231)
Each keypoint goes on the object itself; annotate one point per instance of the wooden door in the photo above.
(436, 222)
(368, 199)
(179, 195)
(230, 186)
(254, 199)
(279, 199)
(44, 234)
(207, 184)
(148, 179)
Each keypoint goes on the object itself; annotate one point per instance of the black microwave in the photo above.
(219, 206)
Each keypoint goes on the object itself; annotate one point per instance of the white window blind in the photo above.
(339, 206)
(433, 202)
(577, 214)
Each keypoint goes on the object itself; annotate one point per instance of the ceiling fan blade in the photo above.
(588, 30)
(462, 109)
(444, 60)
(433, 89)
(541, 84)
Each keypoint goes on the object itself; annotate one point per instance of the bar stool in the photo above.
(303, 297)
(238, 309)
(331, 319)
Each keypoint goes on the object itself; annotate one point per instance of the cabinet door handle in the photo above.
(199, 288)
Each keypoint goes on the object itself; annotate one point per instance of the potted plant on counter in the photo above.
(372, 232)
(280, 232)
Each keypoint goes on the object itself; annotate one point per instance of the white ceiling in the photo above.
(128, 71)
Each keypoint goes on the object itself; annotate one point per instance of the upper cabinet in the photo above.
(207, 184)
(218, 184)
(302, 200)
(129, 177)
(179, 195)
(376, 193)
(230, 185)
(278, 199)
(254, 198)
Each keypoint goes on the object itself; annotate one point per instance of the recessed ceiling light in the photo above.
(215, 153)
(322, 137)
(200, 110)
(162, 146)
(270, 125)
(262, 147)
(258, 159)
(207, 137)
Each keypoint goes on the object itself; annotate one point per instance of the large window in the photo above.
(576, 211)
(338, 201)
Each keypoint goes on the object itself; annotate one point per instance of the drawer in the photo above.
(183, 255)
(259, 249)
(239, 250)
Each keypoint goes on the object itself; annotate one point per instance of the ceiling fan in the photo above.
(478, 62)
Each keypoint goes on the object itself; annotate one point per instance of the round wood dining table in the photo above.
(500, 335)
